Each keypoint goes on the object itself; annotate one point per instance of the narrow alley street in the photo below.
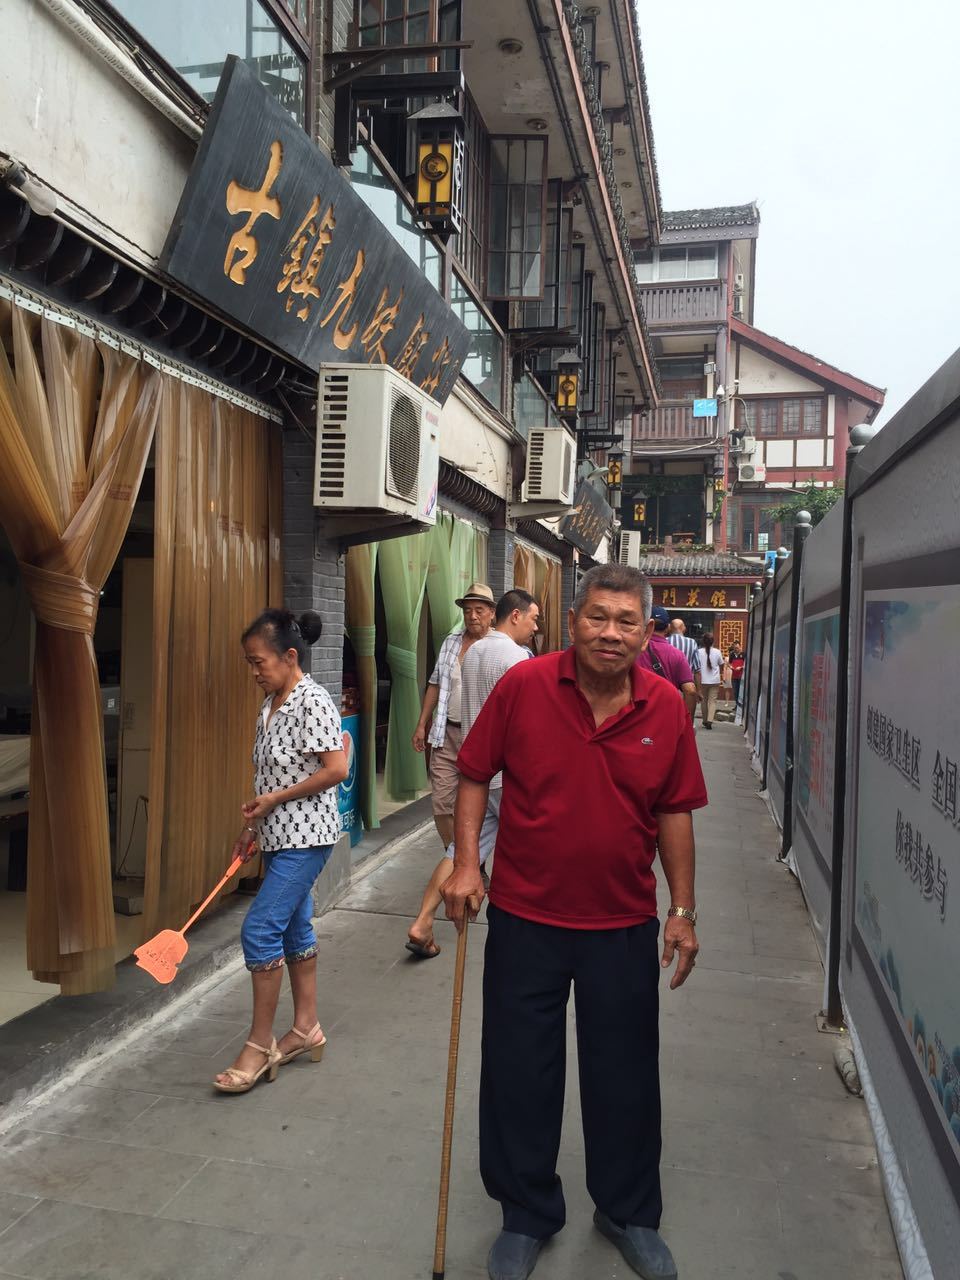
(141, 1172)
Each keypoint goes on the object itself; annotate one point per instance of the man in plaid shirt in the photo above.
(686, 644)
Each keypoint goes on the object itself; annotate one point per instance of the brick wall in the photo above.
(331, 20)
(313, 570)
(500, 560)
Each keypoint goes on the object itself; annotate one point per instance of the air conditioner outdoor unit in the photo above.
(738, 304)
(631, 540)
(739, 283)
(551, 473)
(751, 472)
(378, 444)
(748, 444)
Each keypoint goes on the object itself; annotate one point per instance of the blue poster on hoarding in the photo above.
(908, 833)
(348, 793)
(817, 725)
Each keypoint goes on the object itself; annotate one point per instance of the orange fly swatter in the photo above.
(161, 955)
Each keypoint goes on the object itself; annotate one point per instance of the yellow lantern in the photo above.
(439, 175)
(568, 385)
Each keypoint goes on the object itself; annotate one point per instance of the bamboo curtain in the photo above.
(77, 421)
(361, 627)
(216, 567)
(542, 577)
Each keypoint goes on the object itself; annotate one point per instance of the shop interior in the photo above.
(123, 648)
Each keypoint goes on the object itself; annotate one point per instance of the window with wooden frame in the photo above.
(403, 22)
(469, 245)
(790, 416)
(516, 222)
(484, 363)
(586, 338)
(750, 526)
(194, 40)
(593, 400)
(553, 310)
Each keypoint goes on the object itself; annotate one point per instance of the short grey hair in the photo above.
(615, 577)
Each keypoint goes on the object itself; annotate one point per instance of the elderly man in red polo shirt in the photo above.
(600, 769)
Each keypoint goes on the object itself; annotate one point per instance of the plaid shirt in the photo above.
(688, 647)
(447, 660)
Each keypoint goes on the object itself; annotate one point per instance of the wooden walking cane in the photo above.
(439, 1255)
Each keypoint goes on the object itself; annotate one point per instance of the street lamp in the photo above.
(440, 143)
(568, 385)
(615, 478)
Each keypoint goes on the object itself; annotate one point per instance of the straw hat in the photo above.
(478, 592)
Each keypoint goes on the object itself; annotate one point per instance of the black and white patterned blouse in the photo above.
(286, 752)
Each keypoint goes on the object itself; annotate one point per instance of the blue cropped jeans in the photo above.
(278, 927)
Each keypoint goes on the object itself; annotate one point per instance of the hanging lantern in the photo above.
(438, 182)
(568, 385)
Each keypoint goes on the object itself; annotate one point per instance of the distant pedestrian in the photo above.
(678, 637)
(517, 621)
(600, 767)
(665, 659)
(293, 822)
(439, 723)
(736, 662)
(709, 678)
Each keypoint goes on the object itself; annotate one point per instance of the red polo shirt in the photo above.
(578, 826)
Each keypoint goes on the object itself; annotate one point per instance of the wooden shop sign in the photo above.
(591, 518)
(271, 233)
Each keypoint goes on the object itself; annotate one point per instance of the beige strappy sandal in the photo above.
(243, 1081)
(315, 1049)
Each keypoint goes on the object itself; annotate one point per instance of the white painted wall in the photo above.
(472, 439)
(779, 453)
(73, 122)
(810, 453)
(760, 375)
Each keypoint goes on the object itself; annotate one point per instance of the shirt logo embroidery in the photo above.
(647, 742)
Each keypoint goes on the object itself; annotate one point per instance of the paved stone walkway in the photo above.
(769, 1170)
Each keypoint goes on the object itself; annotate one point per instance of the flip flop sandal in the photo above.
(422, 949)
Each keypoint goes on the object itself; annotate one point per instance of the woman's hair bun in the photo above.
(311, 626)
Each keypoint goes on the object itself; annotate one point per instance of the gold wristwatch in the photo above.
(685, 912)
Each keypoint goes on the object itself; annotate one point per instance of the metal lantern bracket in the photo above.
(350, 85)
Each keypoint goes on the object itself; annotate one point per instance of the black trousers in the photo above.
(527, 973)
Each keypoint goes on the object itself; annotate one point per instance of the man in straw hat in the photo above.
(442, 702)
(600, 775)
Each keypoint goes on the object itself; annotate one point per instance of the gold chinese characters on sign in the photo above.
(243, 248)
(300, 277)
(299, 282)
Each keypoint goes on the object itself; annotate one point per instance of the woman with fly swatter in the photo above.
(293, 821)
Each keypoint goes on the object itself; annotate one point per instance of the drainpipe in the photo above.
(859, 437)
(86, 30)
(801, 531)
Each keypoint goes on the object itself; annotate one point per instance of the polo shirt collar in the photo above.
(294, 698)
(567, 670)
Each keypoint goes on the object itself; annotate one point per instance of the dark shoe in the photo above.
(708, 724)
(512, 1256)
(641, 1247)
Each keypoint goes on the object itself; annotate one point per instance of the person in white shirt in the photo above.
(708, 678)
(517, 622)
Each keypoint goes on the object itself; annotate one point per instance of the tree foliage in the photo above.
(817, 501)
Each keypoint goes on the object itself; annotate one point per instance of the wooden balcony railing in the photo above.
(673, 422)
(680, 304)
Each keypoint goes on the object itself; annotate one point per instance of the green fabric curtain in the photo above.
(362, 630)
(453, 567)
(403, 578)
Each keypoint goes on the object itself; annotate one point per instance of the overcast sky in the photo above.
(841, 120)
